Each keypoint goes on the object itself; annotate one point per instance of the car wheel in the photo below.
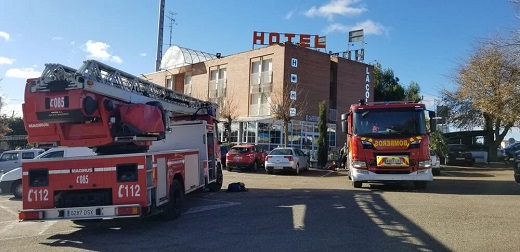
(436, 172)
(268, 171)
(17, 189)
(357, 184)
(255, 166)
(297, 171)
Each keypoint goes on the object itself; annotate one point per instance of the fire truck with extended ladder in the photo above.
(388, 141)
(153, 145)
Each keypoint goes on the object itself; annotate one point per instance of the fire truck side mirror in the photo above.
(433, 121)
(344, 123)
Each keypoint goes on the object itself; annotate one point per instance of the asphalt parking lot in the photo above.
(464, 209)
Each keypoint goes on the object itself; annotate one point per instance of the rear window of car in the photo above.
(239, 150)
(28, 155)
(281, 152)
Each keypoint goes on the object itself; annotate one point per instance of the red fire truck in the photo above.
(153, 145)
(388, 141)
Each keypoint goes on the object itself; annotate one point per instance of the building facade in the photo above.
(254, 87)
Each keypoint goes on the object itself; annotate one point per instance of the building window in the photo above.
(187, 84)
(169, 82)
(261, 76)
(217, 83)
(260, 87)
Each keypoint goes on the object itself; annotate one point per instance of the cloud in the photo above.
(336, 7)
(6, 61)
(99, 50)
(22, 73)
(142, 54)
(57, 38)
(4, 35)
(289, 15)
(11, 107)
(369, 28)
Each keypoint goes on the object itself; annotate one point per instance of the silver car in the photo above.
(286, 159)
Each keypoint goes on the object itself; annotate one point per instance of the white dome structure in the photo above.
(177, 56)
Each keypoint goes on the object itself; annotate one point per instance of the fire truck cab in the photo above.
(388, 141)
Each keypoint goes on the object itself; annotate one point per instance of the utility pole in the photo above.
(160, 35)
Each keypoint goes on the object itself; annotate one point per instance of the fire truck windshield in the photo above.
(398, 122)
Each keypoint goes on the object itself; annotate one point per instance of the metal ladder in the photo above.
(109, 81)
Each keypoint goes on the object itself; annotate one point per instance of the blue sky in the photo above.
(421, 40)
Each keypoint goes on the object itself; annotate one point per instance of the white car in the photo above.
(286, 159)
(436, 163)
(11, 182)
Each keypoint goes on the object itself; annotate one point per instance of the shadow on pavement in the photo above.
(267, 220)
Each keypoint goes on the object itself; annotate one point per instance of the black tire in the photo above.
(268, 171)
(357, 184)
(173, 209)
(420, 184)
(436, 172)
(254, 167)
(17, 189)
(229, 168)
(217, 185)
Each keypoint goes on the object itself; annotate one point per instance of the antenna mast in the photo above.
(171, 16)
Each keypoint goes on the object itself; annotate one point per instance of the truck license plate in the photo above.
(278, 167)
(81, 212)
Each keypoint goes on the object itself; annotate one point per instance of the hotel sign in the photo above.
(304, 40)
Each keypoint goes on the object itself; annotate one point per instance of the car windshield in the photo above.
(238, 150)
(281, 152)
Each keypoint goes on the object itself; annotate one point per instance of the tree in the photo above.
(282, 101)
(412, 92)
(322, 142)
(388, 88)
(487, 95)
(438, 143)
(17, 127)
(228, 111)
(4, 127)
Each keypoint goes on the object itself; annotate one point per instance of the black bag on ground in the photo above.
(237, 187)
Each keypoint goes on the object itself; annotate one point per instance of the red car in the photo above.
(245, 156)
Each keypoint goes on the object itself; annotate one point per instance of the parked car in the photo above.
(510, 151)
(459, 154)
(516, 167)
(223, 151)
(286, 159)
(13, 158)
(245, 156)
(436, 163)
(11, 182)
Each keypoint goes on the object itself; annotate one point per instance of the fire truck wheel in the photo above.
(357, 184)
(255, 166)
(173, 208)
(17, 189)
(217, 185)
